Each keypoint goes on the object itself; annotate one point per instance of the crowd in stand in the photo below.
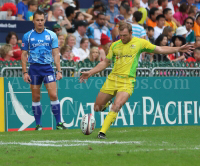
(88, 34)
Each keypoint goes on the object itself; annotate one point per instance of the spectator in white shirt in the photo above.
(144, 3)
(160, 19)
(83, 50)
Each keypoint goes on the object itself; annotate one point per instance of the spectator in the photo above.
(11, 10)
(144, 3)
(161, 41)
(80, 32)
(197, 43)
(138, 30)
(12, 39)
(84, 52)
(197, 4)
(112, 10)
(160, 19)
(162, 4)
(190, 37)
(45, 5)
(177, 41)
(150, 34)
(105, 45)
(77, 5)
(66, 4)
(32, 7)
(61, 40)
(192, 12)
(197, 25)
(66, 53)
(57, 29)
(115, 31)
(151, 4)
(58, 15)
(81, 16)
(125, 12)
(196, 56)
(96, 3)
(168, 31)
(6, 53)
(182, 14)
(167, 12)
(96, 29)
(70, 13)
(181, 31)
(71, 41)
(22, 9)
(137, 7)
(94, 54)
(174, 6)
(152, 19)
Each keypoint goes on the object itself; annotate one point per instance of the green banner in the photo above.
(155, 102)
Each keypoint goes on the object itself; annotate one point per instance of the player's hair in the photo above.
(183, 8)
(151, 2)
(67, 38)
(159, 17)
(190, 19)
(9, 36)
(69, 10)
(197, 49)
(39, 12)
(160, 2)
(124, 25)
(64, 48)
(83, 40)
(152, 11)
(149, 28)
(5, 49)
(166, 30)
(33, 2)
(91, 51)
(137, 15)
(166, 10)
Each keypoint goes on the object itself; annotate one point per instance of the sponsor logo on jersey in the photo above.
(23, 44)
(133, 46)
(32, 39)
(47, 37)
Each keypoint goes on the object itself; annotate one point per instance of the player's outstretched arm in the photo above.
(169, 50)
(101, 66)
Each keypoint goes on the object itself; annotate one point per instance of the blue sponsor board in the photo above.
(155, 102)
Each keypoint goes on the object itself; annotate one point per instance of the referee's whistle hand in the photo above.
(27, 78)
(58, 76)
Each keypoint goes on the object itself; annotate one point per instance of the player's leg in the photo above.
(55, 104)
(102, 101)
(120, 100)
(36, 105)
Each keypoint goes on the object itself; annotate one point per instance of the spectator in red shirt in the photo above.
(12, 40)
(196, 56)
(6, 53)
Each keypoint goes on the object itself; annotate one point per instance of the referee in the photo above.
(41, 46)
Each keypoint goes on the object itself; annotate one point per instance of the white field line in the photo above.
(166, 149)
(88, 141)
(39, 144)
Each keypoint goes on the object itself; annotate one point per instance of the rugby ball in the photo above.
(88, 124)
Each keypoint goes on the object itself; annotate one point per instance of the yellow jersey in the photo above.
(126, 56)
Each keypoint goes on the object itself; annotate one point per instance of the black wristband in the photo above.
(24, 72)
(59, 71)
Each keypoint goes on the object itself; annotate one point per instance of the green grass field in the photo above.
(142, 146)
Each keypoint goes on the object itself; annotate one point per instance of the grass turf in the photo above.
(142, 146)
